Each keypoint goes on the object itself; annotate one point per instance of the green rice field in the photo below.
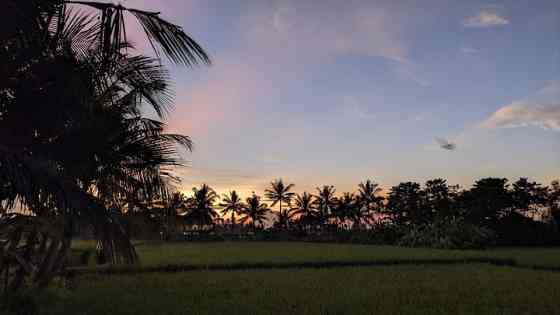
(277, 278)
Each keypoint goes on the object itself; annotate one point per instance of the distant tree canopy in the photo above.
(434, 214)
(406, 204)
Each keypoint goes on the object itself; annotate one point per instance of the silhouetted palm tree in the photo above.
(304, 209)
(164, 37)
(368, 203)
(369, 194)
(77, 146)
(232, 203)
(345, 208)
(200, 207)
(279, 193)
(325, 202)
(174, 206)
(254, 211)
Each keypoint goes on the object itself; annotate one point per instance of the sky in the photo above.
(337, 92)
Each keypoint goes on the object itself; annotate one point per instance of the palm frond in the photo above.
(164, 37)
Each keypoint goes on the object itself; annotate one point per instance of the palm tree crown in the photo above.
(254, 211)
(368, 191)
(201, 206)
(232, 203)
(325, 201)
(304, 209)
(344, 207)
(368, 202)
(279, 193)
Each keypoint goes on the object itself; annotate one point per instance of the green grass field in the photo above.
(418, 288)
(154, 254)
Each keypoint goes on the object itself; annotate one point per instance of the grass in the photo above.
(224, 254)
(419, 289)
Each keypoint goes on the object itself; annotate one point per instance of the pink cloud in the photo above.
(523, 115)
(297, 30)
(222, 101)
(541, 110)
(278, 46)
(485, 18)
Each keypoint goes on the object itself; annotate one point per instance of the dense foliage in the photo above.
(76, 145)
(435, 214)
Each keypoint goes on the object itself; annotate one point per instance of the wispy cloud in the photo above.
(409, 71)
(541, 110)
(468, 50)
(485, 18)
(298, 29)
(522, 114)
(294, 36)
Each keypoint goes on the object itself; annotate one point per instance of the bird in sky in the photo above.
(446, 144)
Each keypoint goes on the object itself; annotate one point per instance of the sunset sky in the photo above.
(335, 92)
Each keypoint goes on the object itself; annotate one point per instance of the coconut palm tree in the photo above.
(75, 143)
(172, 208)
(279, 193)
(200, 207)
(369, 193)
(325, 201)
(368, 203)
(344, 208)
(232, 203)
(254, 211)
(304, 209)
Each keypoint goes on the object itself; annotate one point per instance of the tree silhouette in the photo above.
(279, 193)
(169, 211)
(344, 208)
(527, 196)
(439, 199)
(405, 204)
(254, 211)
(325, 201)
(304, 210)
(232, 204)
(369, 203)
(75, 146)
(200, 207)
(487, 201)
(553, 202)
(281, 219)
(164, 37)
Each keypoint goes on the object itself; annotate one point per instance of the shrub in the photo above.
(450, 234)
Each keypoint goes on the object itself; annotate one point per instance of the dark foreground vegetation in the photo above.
(230, 255)
(457, 289)
(76, 141)
(303, 278)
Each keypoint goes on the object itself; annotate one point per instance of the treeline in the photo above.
(436, 214)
